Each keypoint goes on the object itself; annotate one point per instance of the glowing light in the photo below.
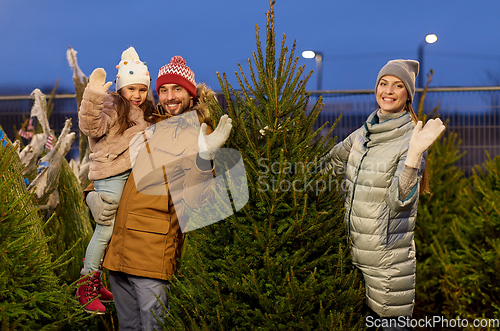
(308, 54)
(431, 38)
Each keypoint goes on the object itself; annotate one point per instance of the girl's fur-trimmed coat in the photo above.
(98, 121)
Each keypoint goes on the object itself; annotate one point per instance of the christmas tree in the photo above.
(471, 280)
(281, 262)
(433, 234)
(456, 236)
(31, 295)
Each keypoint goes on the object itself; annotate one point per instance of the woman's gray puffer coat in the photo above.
(380, 224)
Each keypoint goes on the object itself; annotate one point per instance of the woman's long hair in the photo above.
(424, 185)
(122, 106)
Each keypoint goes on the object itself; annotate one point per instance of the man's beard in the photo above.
(165, 111)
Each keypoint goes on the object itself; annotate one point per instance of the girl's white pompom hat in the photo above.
(131, 70)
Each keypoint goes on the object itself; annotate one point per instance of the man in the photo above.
(147, 240)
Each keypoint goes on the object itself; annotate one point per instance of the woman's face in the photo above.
(391, 94)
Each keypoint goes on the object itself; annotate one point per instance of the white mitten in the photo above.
(97, 81)
(208, 145)
(102, 206)
(422, 139)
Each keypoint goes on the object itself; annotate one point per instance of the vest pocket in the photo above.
(147, 224)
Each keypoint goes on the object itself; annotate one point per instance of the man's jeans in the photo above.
(135, 298)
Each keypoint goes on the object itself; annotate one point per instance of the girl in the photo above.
(384, 164)
(110, 121)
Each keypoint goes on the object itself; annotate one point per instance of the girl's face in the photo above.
(391, 95)
(135, 93)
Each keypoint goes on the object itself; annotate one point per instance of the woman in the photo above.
(384, 163)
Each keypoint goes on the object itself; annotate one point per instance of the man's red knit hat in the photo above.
(177, 72)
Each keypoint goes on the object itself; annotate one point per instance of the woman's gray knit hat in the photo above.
(406, 70)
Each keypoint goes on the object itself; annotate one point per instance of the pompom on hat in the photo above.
(177, 72)
(406, 70)
(131, 70)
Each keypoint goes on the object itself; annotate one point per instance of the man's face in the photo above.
(174, 98)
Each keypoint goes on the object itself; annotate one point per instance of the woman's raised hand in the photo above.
(422, 139)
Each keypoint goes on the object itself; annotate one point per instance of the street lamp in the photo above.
(429, 39)
(319, 64)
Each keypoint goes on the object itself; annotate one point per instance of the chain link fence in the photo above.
(472, 113)
(15, 110)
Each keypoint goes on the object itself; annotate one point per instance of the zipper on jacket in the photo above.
(352, 195)
(387, 232)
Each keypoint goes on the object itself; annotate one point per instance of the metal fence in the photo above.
(472, 113)
(14, 110)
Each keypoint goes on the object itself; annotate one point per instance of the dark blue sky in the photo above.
(356, 38)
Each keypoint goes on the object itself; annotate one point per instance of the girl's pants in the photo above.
(113, 186)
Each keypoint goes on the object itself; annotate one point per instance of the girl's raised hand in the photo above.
(97, 81)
